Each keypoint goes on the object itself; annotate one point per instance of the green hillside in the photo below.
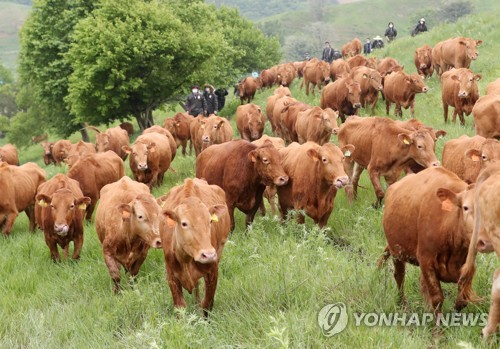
(12, 17)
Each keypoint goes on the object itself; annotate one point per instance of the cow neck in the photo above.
(179, 253)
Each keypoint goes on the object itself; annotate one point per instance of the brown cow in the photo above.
(459, 90)
(370, 83)
(127, 126)
(216, 130)
(114, 139)
(316, 173)
(18, 185)
(387, 66)
(486, 114)
(127, 222)
(60, 150)
(193, 237)
(343, 95)
(385, 149)
(250, 121)
(93, 172)
(316, 125)
(280, 106)
(317, 73)
(243, 170)
(457, 52)
(150, 158)
(271, 102)
(423, 61)
(8, 154)
(166, 133)
(78, 150)
(178, 126)
(39, 138)
(352, 48)
(401, 88)
(299, 67)
(362, 61)
(493, 88)
(48, 158)
(247, 89)
(196, 129)
(268, 77)
(285, 74)
(339, 69)
(430, 226)
(60, 210)
(282, 90)
(287, 120)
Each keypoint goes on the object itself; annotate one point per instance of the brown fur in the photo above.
(401, 88)
(459, 90)
(486, 113)
(250, 121)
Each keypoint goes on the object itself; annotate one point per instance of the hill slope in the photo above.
(12, 17)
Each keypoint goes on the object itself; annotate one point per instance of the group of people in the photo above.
(206, 103)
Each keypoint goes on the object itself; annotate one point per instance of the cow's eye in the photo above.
(325, 160)
(134, 154)
(420, 147)
(184, 224)
(139, 217)
(466, 208)
(484, 157)
(52, 206)
(265, 160)
(72, 206)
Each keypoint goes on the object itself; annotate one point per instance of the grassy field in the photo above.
(274, 278)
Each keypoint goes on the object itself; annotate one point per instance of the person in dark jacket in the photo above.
(195, 103)
(390, 32)
(327, 53)
(420, 28)
(367, 47)
(210, 99)
(221, 94)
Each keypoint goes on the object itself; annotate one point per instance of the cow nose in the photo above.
(341, 181)
(423, 66)
(156, 243)
(425, 89)
(61, 229)
(282, 180)
(208, 256)
(205, 139)
(47, 153)
(142, 166)
(335, 130)
(436, 164)
(484, 246)
(357, 105)
(462, 94)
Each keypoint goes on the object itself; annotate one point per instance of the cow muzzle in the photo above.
(207, 256)
(281, 180)
(206, 139)
(484, 246)
(341, 181)
(436, 164)
(142, 166)
(462, 94)
(156, 243)
(425, 89)
(61, 229)
(423, 66)
(357, 105)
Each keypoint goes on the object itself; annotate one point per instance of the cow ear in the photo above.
(82, 203)
(217, 212)
(441, 133)
(479, 42)
(171, 217)
(404, 138)
(43, 200)
(252, 156)
(127, 149)
(449, 200)
(152, 147)
(220, 124)
(347, 150)
(125, 210)
(313, 154)
(259, 110)
(478, 77)
(473, 154)
(454, 78)
(461, 42)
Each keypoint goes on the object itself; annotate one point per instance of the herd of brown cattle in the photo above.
(435, 217)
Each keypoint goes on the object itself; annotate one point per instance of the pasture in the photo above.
(273, 278)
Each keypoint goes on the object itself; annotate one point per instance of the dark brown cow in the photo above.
(316, 125)
(39, 138)
(60, 150)
(423, 61)
(430, 226)
(127, 222)
(339, 69)
(287, 120)
(93, 172)
(60, 210)
(486, 113)
(193, 236)
(285, 74)
(385, 149)
(8, 154)
(18, 185)
(127, 126)
(243, 170)
(114, 139)
(352, 48)
(343, 95)
(250, 121)
(48, 158)
(459, 90)
(178, 126)
(401, 88)
(150, 158)
(370, 83)
(493, 88)
(166, 133)
(247, 89)
(457, 52)
(78, 150)
(317, 73)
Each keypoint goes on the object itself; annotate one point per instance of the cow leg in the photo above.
(90, 210)
(412, 109)
(9, 222)
(454, 116)
(342, 116)
(358, 169)
(379, 191)
(270, 194)
(77, 243)
(210, 288)
(30, 212)
(65, 250)
(387, 106)
(494, 315)
(262, 208)
(445, 110)
(114, 271)
(398, 111)
(431, 288)
(399, 276)
(230, 210)
(251, 215)
(52, 245)
(462, 119)
(154, 180)
(176, 290)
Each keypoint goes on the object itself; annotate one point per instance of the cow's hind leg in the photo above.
(30, 212)
(494, 315)
(399, 276)
(431, 288)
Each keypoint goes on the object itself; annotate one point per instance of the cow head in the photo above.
(487, 155)
(324, 67)
(467, 81)
(212, 128)
(460, 203)
(470, 46)
(63, 208)
(255, 123)
(375, 80)
(141, 217)
(192, 222)
(329, 161)
(420, 146)
(353, 93)
(47, 148)
(267, 163)
(170, 125)
(327, 119)
(416, 83)
(139, 153)
(101, 142)
(424, 57)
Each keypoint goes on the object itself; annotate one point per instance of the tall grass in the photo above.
(274, 278)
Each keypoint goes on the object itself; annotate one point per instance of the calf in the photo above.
(316, 125)
(113, 139)
(60, 150)
(127, 222)
(8, 154)
(342, 96)
(459, 90)
(486, 113)
(423, 61)
(178, 126)
(48, 158)
(401, 88)
(250, 121)
(247, 89)
(370, 83)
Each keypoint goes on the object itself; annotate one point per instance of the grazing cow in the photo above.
(18, 185)
(423, 61)
(343, 95)
(93, 172)
(486, 114)
(316, 125)
(401, 88)
(317, 73)
(493, 88)
(247, 89)
(150, 158)
(127, 126)
(39, 138)
(243, 170)
(287, 120)
(430, 226)
(352, 48)
(114, 139)
(60, 210)
(316, 173)
(8, 154)
(193, 236)
(78, 150)
(48, 158)
(362, 61)
(459, 90)
(178, 126)
(370, 83)
(339, 69)
(457, 52)
(268, 77)
(60, 150)
(250, 121)
(127, 222)
(285, 74)
(385, 149)
(166, 133)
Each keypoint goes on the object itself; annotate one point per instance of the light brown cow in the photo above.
(93, 172)
(18, 185)
(127, 126)
(48, 158)
(317, 73)
(178, 126)
(247, 89)
(352, 48)
(196, 129)
(114, 139)
(493, 88)
(343, 95)
(280, 106)
(216, 130)
(316, 125)
(268, 77)
(423, 61)
(430, 226)
(127, 222)
(388, 65)
(59, 212)
(193, 236)
(150, 158)
(385, 149)
(401, 88)
(243, 170)
(299, 67)
(285, 74)
(457, 52)
(8, 154)
(78, 150)
(362, 61)
(370, 83)
(459, 90)
(271, 101)
(60, 150)
(250, 121)
(287, 120)
(166, 133)
(282, 90)
(486, 114)
(316, 173)
(339, 69)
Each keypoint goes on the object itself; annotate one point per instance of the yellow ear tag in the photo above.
(82, 206)
(202, 127)
(407, 142)
(347, 153)
(214, 218)
(42, 203)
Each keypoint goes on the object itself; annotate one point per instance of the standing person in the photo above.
(390, 32)
(221, 94)
(327, 53)
(210, 99)
(367, 47)
(420, 28)
(195, 103)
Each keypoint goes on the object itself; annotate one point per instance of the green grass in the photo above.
(273, 279)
